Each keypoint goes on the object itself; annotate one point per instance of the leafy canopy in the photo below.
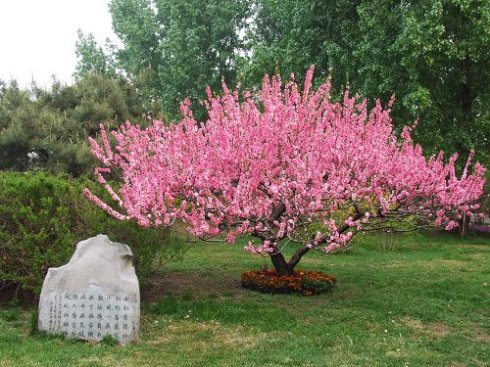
(431, 54)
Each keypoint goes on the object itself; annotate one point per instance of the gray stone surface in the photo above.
(94, 295)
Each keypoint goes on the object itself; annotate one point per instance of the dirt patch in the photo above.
(482, 257)
(434, 329)
(12, 295)
(152, 289)
(479, 246)
(438, 328)
(480, 335)
(180, 283)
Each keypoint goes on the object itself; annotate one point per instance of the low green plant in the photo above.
(109, 340)
(42, 217)
(35, 227)
(10, 314)
(316, 286)
(387, 241)
(33, 323)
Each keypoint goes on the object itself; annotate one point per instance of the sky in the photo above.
(37, 37)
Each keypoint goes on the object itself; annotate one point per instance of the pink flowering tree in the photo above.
(282, 167)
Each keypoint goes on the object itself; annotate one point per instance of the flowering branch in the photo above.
(283, 164)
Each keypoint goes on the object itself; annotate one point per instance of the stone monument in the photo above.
(94, 295)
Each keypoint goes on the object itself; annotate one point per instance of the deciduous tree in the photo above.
(432, 54)
(283, 166)
(92, 58)
(179, 46)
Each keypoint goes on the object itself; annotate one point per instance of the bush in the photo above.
(42, 217)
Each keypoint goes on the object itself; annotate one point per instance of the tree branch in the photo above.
(295, 259)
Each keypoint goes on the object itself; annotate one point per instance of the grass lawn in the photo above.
(426, 303)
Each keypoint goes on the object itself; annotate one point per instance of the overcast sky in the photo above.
(37, 37)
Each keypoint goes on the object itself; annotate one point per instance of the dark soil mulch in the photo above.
(11, 295)
(179, 283)
(152, 289)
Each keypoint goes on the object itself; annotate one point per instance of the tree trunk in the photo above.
(298, 255)
(464, 225)
(280, 264)
(287, 268)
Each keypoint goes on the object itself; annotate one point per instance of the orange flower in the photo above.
(304, 282)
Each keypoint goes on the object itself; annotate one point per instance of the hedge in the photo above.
(42, 218)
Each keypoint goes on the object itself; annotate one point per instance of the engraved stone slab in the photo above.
(94, 295)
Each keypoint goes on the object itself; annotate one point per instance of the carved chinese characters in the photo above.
(94, 295)
(92, 315)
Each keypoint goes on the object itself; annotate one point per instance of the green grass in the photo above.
(426, 303)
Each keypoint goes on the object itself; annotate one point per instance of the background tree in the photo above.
(431, 55)
(291, 168)
(289, 36)
(92, 58)
(17, 116)
(436, 66)
(179, 47)
(48, 128)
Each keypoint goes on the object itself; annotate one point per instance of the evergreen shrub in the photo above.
(43, 217)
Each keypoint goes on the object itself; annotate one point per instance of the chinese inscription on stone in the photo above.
(80, 300)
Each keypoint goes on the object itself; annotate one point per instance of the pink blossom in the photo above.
(451, 225)
(268, 165)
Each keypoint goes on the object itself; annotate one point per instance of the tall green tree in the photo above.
(179, 47)
(289, 36)
(433, 55)
(92, 58)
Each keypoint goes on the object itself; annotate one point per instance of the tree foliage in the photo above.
(92, 58)
(43, 216)
(48, 128)
(179, 47)
(431, 55)
(292, 167)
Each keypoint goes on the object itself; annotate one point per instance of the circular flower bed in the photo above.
(304, 282)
